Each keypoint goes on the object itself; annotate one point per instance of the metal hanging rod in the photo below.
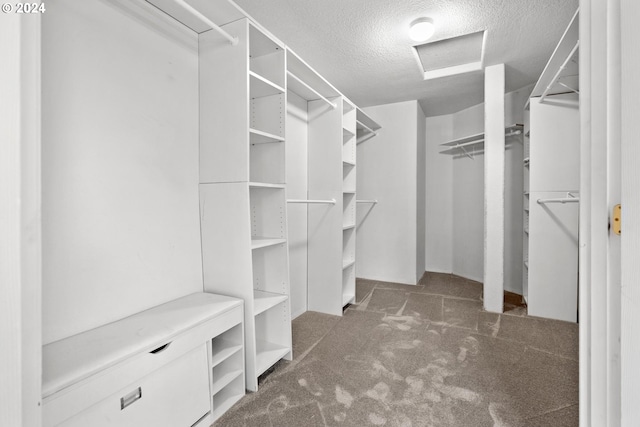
(326, 202)
(195, 12)
(372, 201)
(476, 141)
(569, 199)
(557, 75)
(299, 80)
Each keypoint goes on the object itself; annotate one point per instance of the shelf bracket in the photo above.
(569, 87)
(466, 153)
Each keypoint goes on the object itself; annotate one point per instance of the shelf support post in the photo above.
(494, 159)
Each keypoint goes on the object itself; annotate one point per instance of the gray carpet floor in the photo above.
(414, 356)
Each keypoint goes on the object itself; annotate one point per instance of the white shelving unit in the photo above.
(525, 202)
(349, 141)
(551, 172)
(333, 132)
(324, 182)
(242, 190)
(471, 144)
(365, 128)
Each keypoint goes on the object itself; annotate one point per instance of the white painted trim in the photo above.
(20, 246)
(585, 219)
(613, 188)
(630, 177)
(455, 69)
(600, 298)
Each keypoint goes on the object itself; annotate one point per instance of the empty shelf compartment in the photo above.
(227, 397)
(267, 354)
(261, 87)
(263, 301)
(226, 372)
(223, 349)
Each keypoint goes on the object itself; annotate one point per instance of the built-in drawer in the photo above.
(177, 395)
(89, 391)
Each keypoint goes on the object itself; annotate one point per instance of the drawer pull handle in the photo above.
(130, 398)
(160, 349)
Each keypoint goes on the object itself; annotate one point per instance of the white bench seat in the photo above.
(84, 369)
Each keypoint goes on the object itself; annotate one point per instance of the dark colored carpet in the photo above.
(420, 356)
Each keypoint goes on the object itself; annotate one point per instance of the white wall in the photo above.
(468, 199)
(121, 230)
(421, 172)
(455, 196)
(296, 169)
(386, 171)
(438, 196)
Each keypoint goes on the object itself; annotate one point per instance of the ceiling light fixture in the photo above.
(421, 29)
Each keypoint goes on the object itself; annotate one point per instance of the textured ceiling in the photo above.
(362, 47)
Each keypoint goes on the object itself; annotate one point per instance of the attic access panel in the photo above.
(456, 55)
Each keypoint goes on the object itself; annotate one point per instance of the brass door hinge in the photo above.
(617, 226)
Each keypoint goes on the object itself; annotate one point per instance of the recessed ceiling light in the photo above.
(421, 29)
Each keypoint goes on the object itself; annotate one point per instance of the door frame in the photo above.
(609, 271)
(20, 226)
(630, 240)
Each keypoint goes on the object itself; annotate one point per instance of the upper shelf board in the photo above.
(259, 137)
(306, 82)
(476, 139)
(480, 136)
(221, 12)
(260, 87)
(364, 121)
(560, 75)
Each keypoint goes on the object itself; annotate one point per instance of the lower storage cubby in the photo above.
(348, 285)
(227, 397)
(226, 371)
(226, 345)
(273, 336)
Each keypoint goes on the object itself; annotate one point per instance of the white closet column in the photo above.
(494, 188)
